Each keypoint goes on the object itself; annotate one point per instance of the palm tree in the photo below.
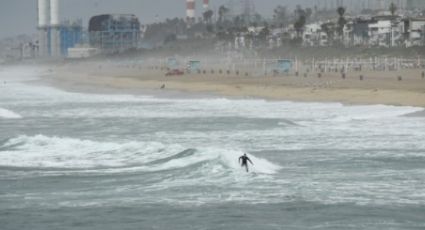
(299, 24)
(222, 11)
(279, 14)
(308, 13)
(237, 21)
(325, 28)
(393, 8)
(208, 16)
(341, 21)
(264, 33)
(341, 11)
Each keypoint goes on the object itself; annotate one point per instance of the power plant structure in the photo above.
(114, 33)
(54, 37)
(43, 27)
(190, 11)
(55, 30)
(206, 5)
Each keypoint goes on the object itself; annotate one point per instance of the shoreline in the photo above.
(375, 89)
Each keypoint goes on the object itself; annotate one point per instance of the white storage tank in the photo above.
(54, 13)
(43, 13)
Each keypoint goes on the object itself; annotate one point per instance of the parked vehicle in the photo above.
(174, 72)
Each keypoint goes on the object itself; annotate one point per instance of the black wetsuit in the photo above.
(245, 160)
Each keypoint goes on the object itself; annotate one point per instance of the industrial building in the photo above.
(43, 27)
(114, 33)
(54, 36)
(71, 34)
(191, 10)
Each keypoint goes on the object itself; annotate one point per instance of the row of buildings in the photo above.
(378, 31)
(359, 5)
(384, 31)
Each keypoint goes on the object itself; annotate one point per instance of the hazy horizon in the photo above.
(24, 12)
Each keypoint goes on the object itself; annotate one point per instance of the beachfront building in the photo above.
(82, 51)
(29, 50)
(114, 32)
(330, 30)
(414, 30)
(385, 31)
(21, 51)
(360, 35)
(314, 35)
(379, 31)
(347, 34)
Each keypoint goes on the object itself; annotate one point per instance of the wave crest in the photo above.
(4, 113)
(68, 153)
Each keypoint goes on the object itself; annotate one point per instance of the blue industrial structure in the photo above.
(49, 42)
(70, 35)
(114, 32)
(55, 37)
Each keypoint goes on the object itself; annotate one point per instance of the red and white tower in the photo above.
(206, 4)
(190, 11)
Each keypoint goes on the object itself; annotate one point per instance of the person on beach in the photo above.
(244, 159)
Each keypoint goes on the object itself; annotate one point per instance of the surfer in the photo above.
(245, 160)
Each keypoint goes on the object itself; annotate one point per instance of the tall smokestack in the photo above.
(43, 24)
(55, 29)
(190, 11)
(43, 13)
(206, 5)
(54, 13)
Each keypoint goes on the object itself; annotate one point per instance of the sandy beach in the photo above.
(377, 87)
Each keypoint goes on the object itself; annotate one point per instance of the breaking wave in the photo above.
(44, 152)
(4, 113)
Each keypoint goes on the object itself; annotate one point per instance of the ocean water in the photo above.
(99, 161)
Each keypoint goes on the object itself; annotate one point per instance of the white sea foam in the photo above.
(55, 152)
(150, 107)
(224, 157)
(260, 165)
(4, 113)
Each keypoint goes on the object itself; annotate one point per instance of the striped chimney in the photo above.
(206, 4)
(190, 9)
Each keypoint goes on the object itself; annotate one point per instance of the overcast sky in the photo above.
(20, 16)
